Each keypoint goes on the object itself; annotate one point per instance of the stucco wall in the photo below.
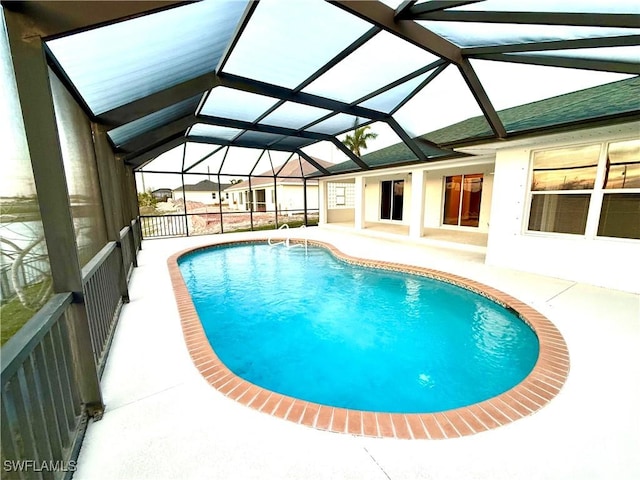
(339, 215)
(291, 197)
(607, 262)
(372, 198)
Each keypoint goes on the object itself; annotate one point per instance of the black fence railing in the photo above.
(103, 298)
(127, 245)
(163, 225)
(137, 238)
(42, 415)
(43, 418)
(207, 223)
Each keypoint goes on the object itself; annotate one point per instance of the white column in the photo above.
(416, 217)
(322, 202)
(358, 223)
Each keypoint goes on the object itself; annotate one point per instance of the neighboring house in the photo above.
(284, 192)
(162, 194)
(206, 192)
(563, 204)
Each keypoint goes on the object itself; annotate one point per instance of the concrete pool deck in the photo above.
(163, 420)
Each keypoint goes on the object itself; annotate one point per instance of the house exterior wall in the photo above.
(373, 193)
(606, 262)
(342, 215)
(334, 211)
(431, 193)
(504, 210)
(291, 197)
(288, 197)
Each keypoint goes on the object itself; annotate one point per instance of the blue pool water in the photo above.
(313, 327)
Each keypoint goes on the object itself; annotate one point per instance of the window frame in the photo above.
(610, 191)
(597, 194)
(458, 225)
(392, 201)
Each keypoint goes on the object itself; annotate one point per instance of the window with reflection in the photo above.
(620, 211)
(623, 165)
(462, 198)
(567, 184)
(562, 183)
(565, 169)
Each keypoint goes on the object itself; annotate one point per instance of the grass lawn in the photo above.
(13, 315)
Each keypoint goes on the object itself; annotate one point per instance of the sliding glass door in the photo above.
(392, 199)
(462, 196)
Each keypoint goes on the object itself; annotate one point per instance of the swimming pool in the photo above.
(242, 289)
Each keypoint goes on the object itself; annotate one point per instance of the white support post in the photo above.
(358, 222)
(322, 202)
(416, 217)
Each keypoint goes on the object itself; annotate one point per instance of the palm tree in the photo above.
(357, 141)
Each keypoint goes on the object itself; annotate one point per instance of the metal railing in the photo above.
(286, 241)
(43, 419)
(137, 238)
(163, 225)
(207, 223)
(128, 248)
(103, 298)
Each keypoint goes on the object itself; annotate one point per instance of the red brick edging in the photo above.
(534, 392)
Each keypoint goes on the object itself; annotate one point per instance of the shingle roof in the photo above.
(596, 102)
(290, 169)
(203, 186)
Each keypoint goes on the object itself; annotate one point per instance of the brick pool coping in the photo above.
(541, 385)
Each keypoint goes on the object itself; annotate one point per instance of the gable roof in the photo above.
(202, 186)
(289, 174)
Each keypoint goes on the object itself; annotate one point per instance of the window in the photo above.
(462, 197)
(620, 215)
(623, 165)
(392, 200)
(620, 211)
(561, 187)
(213, 195)
(559, 213)
(340, 195)
(587, 190)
